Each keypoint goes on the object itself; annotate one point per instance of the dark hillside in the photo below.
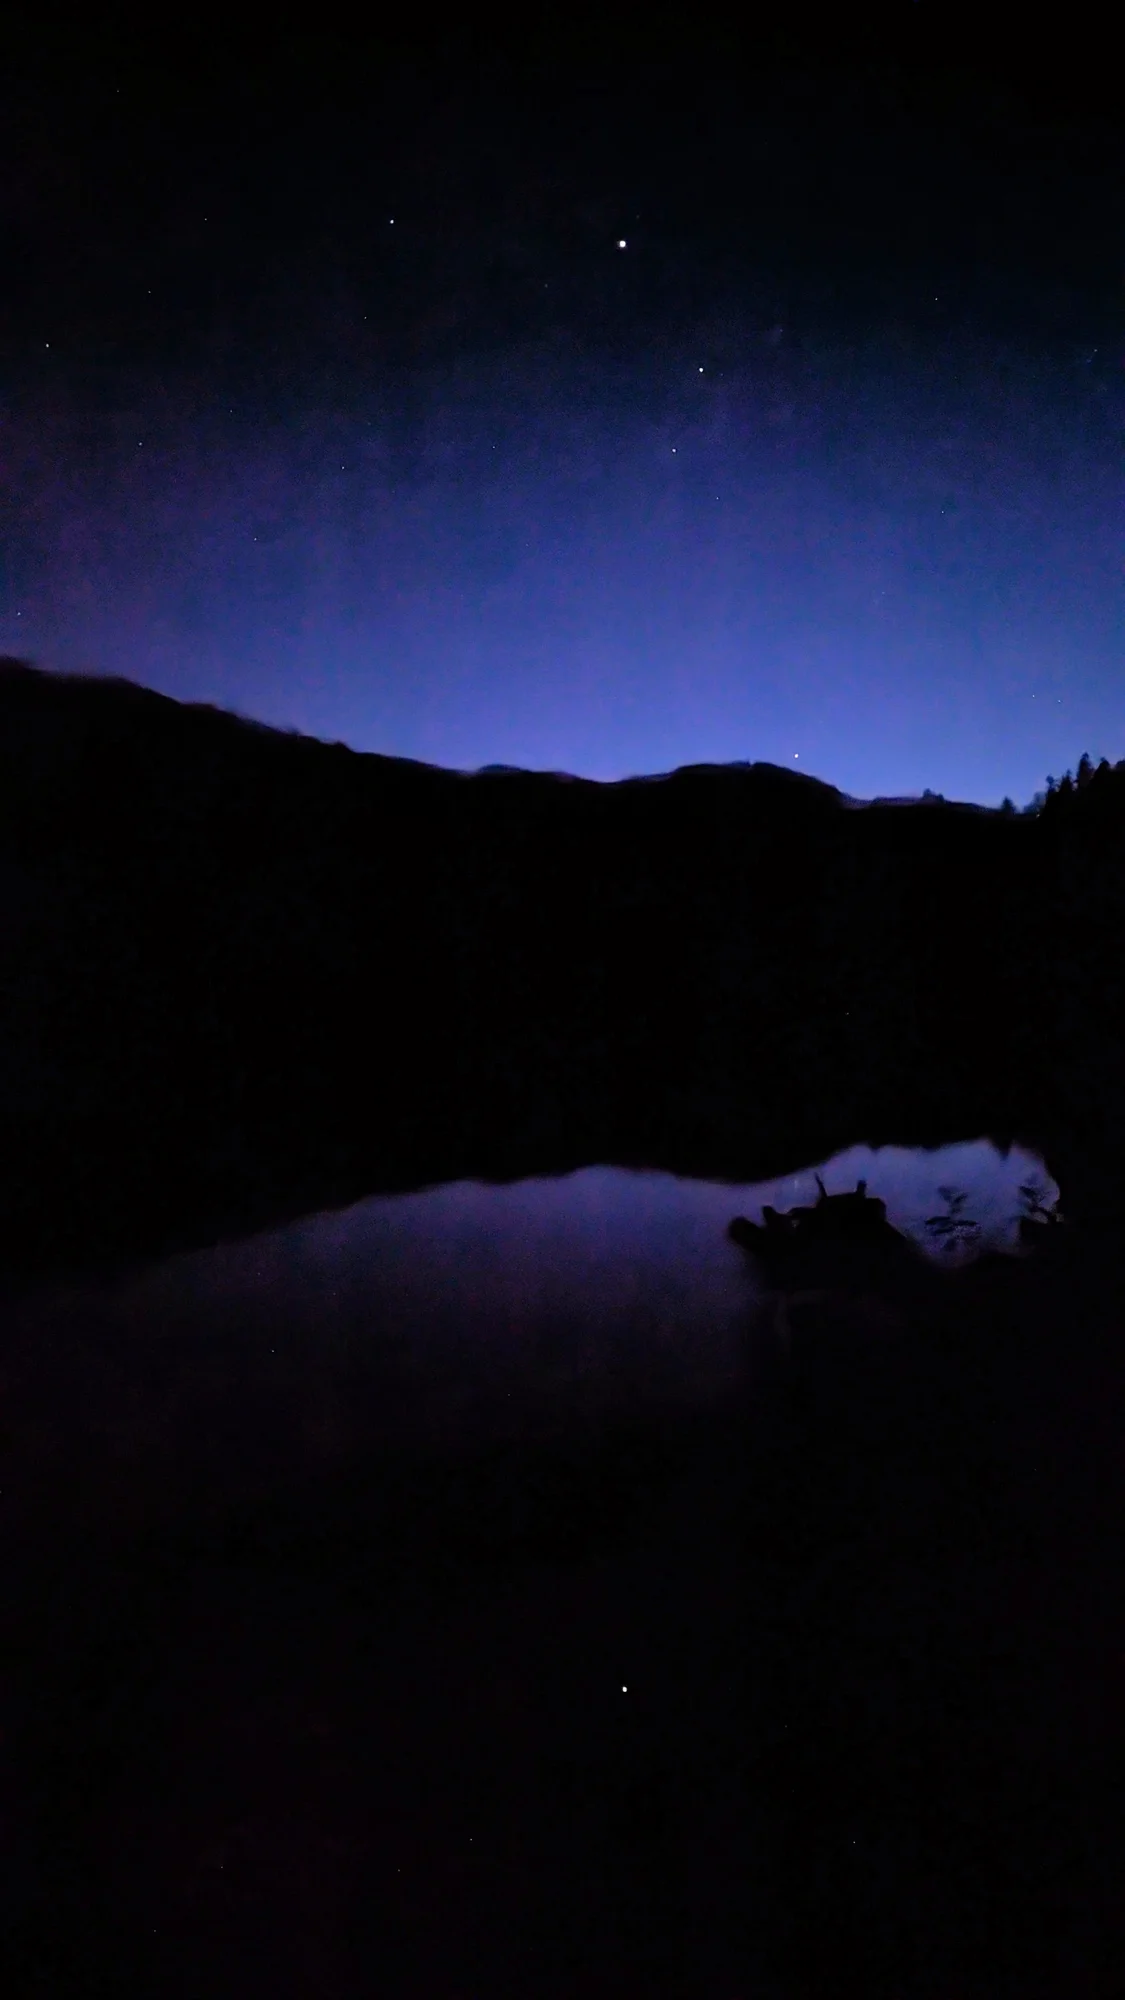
(238, 962)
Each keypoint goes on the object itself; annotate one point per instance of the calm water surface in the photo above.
(461, 1311)
(839, 1689)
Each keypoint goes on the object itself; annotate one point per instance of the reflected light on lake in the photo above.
(465, 1309)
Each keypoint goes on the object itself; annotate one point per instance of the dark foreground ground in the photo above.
(816, 1692)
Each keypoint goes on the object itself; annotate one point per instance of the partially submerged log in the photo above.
(841, 1254)
(790, 1243)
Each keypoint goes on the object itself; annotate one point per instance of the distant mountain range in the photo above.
(35, 704)
(763, 771)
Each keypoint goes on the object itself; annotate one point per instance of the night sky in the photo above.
(594, 400)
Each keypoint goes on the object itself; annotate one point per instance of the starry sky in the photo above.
(571, 403)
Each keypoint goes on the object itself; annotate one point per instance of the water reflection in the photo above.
(426, 1319)
(954, 1202)
(295, 1689)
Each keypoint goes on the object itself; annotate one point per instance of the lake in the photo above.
(435, 1597)
(461, 1309)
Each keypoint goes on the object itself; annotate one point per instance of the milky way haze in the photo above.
(571, 417)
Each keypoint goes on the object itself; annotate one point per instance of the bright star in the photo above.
(621, 243)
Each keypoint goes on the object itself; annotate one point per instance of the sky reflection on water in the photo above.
(460, 1311)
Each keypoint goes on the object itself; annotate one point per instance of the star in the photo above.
(621, 243)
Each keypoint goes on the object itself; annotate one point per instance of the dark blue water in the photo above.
(427, 1598)
(464, 1310)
